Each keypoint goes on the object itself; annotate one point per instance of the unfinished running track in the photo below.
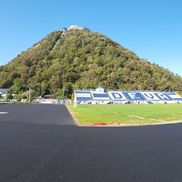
(41, 143)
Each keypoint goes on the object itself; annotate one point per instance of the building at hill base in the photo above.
(100, 96)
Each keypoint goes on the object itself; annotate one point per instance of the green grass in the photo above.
(127, 114)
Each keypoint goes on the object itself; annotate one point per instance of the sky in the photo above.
(151, 29)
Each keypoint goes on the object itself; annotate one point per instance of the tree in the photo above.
(82, 59)
(9, 96)
(68, 90)
(60, 94)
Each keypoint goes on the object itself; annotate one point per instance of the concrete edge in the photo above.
(72, 115)
(131, 125)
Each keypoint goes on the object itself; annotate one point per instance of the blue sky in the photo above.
(152, 29)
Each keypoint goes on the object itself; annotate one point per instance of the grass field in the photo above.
(126, 114)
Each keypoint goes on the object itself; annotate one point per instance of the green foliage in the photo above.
(68, 90)
(18, 97)
(9, 96)
(82, 59)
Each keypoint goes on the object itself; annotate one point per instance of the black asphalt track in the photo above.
(37, 113)
(34, 151)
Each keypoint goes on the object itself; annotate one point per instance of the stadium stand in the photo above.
(99, 96)
(83, 97)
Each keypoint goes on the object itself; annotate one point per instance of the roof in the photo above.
(4, 90)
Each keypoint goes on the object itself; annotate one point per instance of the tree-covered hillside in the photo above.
(82, 59)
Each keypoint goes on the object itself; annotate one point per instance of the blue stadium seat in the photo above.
(163, 96)
(101, 95)
(83, 95)
(134, 96)
(83, 98)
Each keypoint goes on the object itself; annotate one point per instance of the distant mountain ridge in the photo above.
(76, 57)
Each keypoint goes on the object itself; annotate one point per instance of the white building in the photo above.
(3, 92)
(76, 27)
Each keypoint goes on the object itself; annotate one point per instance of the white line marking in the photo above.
(3, 113)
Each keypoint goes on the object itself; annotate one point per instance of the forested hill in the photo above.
(79, 58)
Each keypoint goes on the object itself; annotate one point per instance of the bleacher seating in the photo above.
(99, 96)
(82, 96)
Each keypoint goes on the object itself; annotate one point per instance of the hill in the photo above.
(78, 58)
